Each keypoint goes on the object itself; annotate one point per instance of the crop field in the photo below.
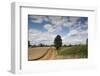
(79, 51)
(50, 53)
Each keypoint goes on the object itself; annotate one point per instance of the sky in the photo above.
(43, 29)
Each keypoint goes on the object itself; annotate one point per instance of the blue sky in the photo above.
(43, 29)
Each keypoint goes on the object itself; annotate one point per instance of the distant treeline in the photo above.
(57, 43)
(43, 45)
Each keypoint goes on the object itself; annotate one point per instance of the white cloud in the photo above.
(70, 21)
(52, 29)
(73, 40)
(37, 37)
(76, 34)
(34, 31)
(73, 33)
(47, 26)
(75, 37)
(37, 19)
(55, 20)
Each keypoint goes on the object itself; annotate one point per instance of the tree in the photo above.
(64, 45)
(41, 45)
(87, 41)
(58, 42)
(29, 44)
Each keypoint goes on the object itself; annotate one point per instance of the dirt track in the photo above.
(42, 53)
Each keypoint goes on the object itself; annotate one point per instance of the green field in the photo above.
(77, 51)
(65, 52)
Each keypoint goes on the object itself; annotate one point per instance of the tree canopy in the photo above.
(58, 42)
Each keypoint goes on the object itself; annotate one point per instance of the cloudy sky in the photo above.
(43, 29)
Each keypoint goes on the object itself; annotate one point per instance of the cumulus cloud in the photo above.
(57, 22)
(47, 26)
(75, 37)
(70, 21)
(37, 37)
(52, 29)
(78, 29)
(37, 19)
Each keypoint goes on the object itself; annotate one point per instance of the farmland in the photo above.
(50, 53)
(79, 51)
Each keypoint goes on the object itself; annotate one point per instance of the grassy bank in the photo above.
(80, 51)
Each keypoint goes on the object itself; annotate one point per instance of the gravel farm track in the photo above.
(42, 53)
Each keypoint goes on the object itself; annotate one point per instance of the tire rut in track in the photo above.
(48, 55)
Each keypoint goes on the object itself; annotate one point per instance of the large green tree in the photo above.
(58, 42)
(29, 44)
